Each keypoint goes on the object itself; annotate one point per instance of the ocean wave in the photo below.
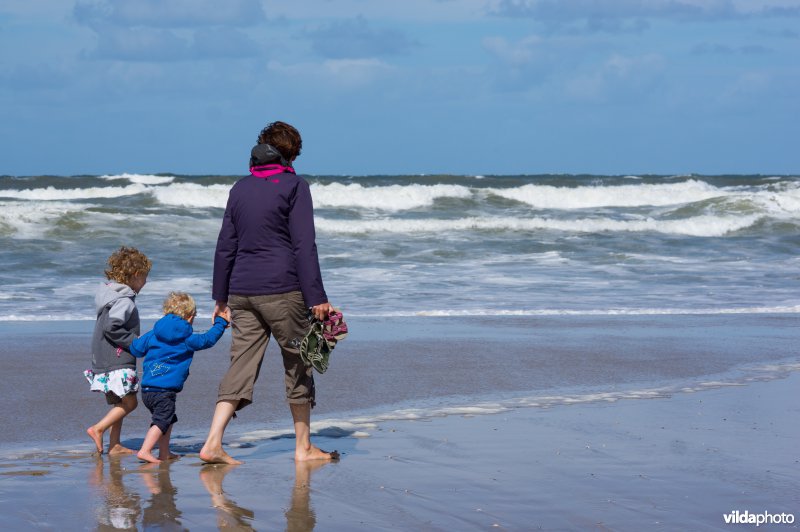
(34, 219)
(141, 179)
(192, 195)
(56, 194)
(550, 197)
(386, 198)
(699, 226)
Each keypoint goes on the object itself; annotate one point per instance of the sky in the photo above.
(402, 87)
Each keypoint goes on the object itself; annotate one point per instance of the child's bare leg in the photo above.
(150, 440)
(128, 405)
(163, 446)
(113, 420)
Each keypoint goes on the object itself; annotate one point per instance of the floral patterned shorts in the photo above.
(115, 383)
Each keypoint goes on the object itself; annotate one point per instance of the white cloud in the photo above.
(627, 15)
(169, 14)
(356, 38)
(335, 73)
(521, 52)
(745, 86)
(618, 78)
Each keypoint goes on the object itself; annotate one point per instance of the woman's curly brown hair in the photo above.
(126, 263)
(284, 138)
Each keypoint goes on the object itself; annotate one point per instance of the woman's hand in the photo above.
(321, 311)
(222, 310)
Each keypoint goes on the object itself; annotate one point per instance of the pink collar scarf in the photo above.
(269, 170)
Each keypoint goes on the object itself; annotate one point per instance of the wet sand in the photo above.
(677, 462)
(619, 424)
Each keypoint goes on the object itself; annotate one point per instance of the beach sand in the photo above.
(641, 451)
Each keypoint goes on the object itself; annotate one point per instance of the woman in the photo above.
(267, 276)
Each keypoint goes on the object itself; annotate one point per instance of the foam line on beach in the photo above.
(456, 313)
(446, 313)
(363, 425)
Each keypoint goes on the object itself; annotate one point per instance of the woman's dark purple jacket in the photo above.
(267, 241)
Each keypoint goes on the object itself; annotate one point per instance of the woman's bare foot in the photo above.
(217, 456)
(120, 449)
(147, 456)
(314, 453)
(96, 437)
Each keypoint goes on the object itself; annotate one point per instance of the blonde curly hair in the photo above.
(181, 304)
(126, 263)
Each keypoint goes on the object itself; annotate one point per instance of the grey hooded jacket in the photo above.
(117, 326)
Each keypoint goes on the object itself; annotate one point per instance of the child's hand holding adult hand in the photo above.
(222, 310)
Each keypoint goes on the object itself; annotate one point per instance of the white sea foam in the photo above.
(386, 198)
(192, 195)
(55, 194)
(202, 286)
(141, 179)
(444, 313)
(32, 219)
(550, 197)
(361, 425)
(778, 203)
(700, 226)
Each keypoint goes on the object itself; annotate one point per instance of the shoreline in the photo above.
(443, 365)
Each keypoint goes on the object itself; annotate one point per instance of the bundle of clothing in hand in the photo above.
(316, 347)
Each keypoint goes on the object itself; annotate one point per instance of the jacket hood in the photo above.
(109, 292)
(262, 154)
(172, 329)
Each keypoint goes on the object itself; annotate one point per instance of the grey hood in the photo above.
(109, 292)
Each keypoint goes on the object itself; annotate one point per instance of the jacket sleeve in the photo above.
(303, 235)
(225, 254)
(118, 315)
(196, 342)
(139, 346)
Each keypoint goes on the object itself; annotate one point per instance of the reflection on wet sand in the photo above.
(120, 508)
(161, 513)
(229, 514)
(300, 515)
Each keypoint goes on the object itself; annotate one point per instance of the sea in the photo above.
(428, 245)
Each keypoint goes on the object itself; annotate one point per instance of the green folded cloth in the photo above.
(314, 349)
(321, 338)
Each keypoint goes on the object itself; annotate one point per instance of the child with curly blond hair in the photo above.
(113, 370)
(168, 351)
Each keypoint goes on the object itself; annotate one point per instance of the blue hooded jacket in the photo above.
(168, 350)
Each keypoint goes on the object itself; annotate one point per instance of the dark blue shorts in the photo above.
(162, 406)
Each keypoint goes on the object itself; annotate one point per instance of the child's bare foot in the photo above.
(97, 438)
(170, 456)
(120, 449)
(217, 456)
(314, 453)
(147, 456)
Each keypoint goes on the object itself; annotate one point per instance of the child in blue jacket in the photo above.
(168, 350)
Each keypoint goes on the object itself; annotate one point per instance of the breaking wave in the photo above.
(700, 226)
